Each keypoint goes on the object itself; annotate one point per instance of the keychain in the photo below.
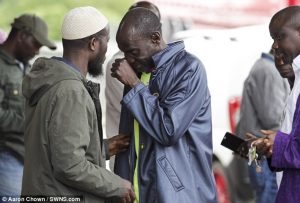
(252, 156)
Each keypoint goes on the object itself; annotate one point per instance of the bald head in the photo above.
(148, 5)
(139, 22)
(289, 16)
(285, 31)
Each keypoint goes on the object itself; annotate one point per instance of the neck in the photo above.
(9, 47)
(78, 59)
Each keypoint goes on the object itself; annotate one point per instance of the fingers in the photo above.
(263, 146)
(118, 143)
(117, 63)
(279, 59)
(129, 195)
(115, 67)
(250, 136)
(121, 139)
(127, 199)
(259, 143)
(270, 152)
(132, 195)
(114, 75)
(267, 132)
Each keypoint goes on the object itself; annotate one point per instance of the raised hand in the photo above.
(124, 72)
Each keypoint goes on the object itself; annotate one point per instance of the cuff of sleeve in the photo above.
(280, 142)
(105, 145)
(132, 93)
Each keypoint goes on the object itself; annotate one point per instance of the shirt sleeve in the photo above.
(286, 148)
(70, 136)
(167, 119)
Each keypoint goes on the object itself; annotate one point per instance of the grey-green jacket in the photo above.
(11, 105)
(62, 145)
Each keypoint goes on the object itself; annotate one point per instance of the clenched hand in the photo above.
(124, 72)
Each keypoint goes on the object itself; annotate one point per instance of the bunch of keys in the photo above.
(253, 156)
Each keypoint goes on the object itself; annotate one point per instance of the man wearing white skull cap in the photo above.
(65, 152)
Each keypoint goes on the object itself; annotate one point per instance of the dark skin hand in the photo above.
(124, 72)
(264, 145)
(128, 196)
(117, 144)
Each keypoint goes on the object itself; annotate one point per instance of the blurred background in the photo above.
(54, 11)
(227, 36)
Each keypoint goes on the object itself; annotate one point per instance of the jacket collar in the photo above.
(164, 55)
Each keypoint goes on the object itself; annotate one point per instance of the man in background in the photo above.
(263, 100)
(28, 34)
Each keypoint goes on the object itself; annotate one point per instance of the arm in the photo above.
(286, 151)
(70, 136)
(286, 148)
(168, 119)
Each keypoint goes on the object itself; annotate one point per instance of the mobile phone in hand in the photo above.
(235, 144)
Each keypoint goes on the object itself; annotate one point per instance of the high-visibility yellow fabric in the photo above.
(144, 79)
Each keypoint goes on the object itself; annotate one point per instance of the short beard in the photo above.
(95, 68)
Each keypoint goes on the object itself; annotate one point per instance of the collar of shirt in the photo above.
(67, 62)
(268, 57)
(164, 55)
(296, 63)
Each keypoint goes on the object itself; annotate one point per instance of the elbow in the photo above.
(66, 173)
(62, 175)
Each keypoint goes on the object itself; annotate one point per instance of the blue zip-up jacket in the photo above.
(174, 114)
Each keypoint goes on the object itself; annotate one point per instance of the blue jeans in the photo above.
(263, 183)
(11, 172)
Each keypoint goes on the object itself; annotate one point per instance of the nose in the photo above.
(275, 45)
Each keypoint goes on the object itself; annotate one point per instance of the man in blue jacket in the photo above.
(169, 119)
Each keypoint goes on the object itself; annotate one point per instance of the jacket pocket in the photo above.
(171, 174)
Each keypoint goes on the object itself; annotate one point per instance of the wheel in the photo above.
(223, 190)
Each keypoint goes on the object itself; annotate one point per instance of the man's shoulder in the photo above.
(264, 69)
(9, 70)
(67, 86)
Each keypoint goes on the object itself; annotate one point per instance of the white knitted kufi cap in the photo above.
(82, 22)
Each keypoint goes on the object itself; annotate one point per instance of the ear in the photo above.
(93, 44)
(156, 37)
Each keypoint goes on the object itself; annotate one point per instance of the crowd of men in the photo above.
(51, 138)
